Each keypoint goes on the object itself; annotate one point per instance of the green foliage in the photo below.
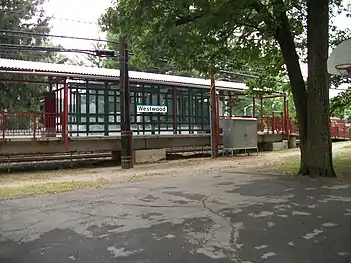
(199, 35)
(340, 106)
(23, 15)
(189, 35)
(230, 35)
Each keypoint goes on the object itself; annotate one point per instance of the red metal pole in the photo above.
(217, 122)
(288, 123)
(285, 120)
(230, 104)
(3, 124)
(254, 107)
(261, 114)
(34, 126)
(174, 102)
(65, 115)
(213, 115)
(273, 122)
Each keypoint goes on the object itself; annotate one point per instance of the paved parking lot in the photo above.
(217, 217)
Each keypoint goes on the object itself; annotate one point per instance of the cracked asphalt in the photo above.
(216, 217)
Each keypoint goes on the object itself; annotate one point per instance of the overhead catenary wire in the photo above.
(91, 52)
(23, 33)
(100, 53)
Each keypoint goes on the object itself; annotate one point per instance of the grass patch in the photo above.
(9, 178)
(141, 176)
(342, 165)
(46, 188)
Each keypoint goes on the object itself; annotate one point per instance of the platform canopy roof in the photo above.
(62, 70)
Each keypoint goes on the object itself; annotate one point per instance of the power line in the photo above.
(252, 76)
(103, 53)
(31, 34)
(26, 33)
(99, 53)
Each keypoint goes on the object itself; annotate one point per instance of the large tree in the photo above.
(319, 145)
(22, 15)
(262, 36)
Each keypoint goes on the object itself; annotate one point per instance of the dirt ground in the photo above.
(264, 162)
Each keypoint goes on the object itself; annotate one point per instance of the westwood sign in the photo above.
(151, 108)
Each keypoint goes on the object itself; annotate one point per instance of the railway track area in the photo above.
(74, 160)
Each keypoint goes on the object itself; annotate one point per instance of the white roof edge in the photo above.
(72, 70)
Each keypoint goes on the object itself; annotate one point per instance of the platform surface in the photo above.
(27, 145)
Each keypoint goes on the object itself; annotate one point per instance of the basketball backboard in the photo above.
(339, 61)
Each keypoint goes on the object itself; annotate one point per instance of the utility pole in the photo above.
(126, 133)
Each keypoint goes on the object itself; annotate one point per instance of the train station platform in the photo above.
(81, 111)
(53, 145)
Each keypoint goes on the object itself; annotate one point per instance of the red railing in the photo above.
(340, 129)
(272, 124)
(40, 124)
(30, 124)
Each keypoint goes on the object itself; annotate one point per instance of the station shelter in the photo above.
(85, 101)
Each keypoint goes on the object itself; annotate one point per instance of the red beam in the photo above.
(213, 116)
(230, 104)
(261, 114)
(253, 107)
(174, 102)
(65, 115)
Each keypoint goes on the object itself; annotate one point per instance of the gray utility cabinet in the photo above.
(239, 134)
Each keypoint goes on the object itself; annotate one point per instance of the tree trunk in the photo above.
(312, 106)
(287, 45)
(319, 145)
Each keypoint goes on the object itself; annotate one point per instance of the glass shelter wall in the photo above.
(94, 109)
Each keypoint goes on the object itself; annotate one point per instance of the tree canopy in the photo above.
(268, 38)
(28, 16)
(204, 34)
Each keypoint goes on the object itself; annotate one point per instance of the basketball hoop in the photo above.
(344, 69)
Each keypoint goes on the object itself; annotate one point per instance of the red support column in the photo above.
(254, 107)
(213, 116)
(65, 115)
(3, 124)
(174, 106)
(230, 104)
(34, 126)
(273, 122)
(288, 123)
(285, 119)
(217, 122)
(50, 114)
(261, 114)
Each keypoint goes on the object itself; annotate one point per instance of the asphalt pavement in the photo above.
(217, 217)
